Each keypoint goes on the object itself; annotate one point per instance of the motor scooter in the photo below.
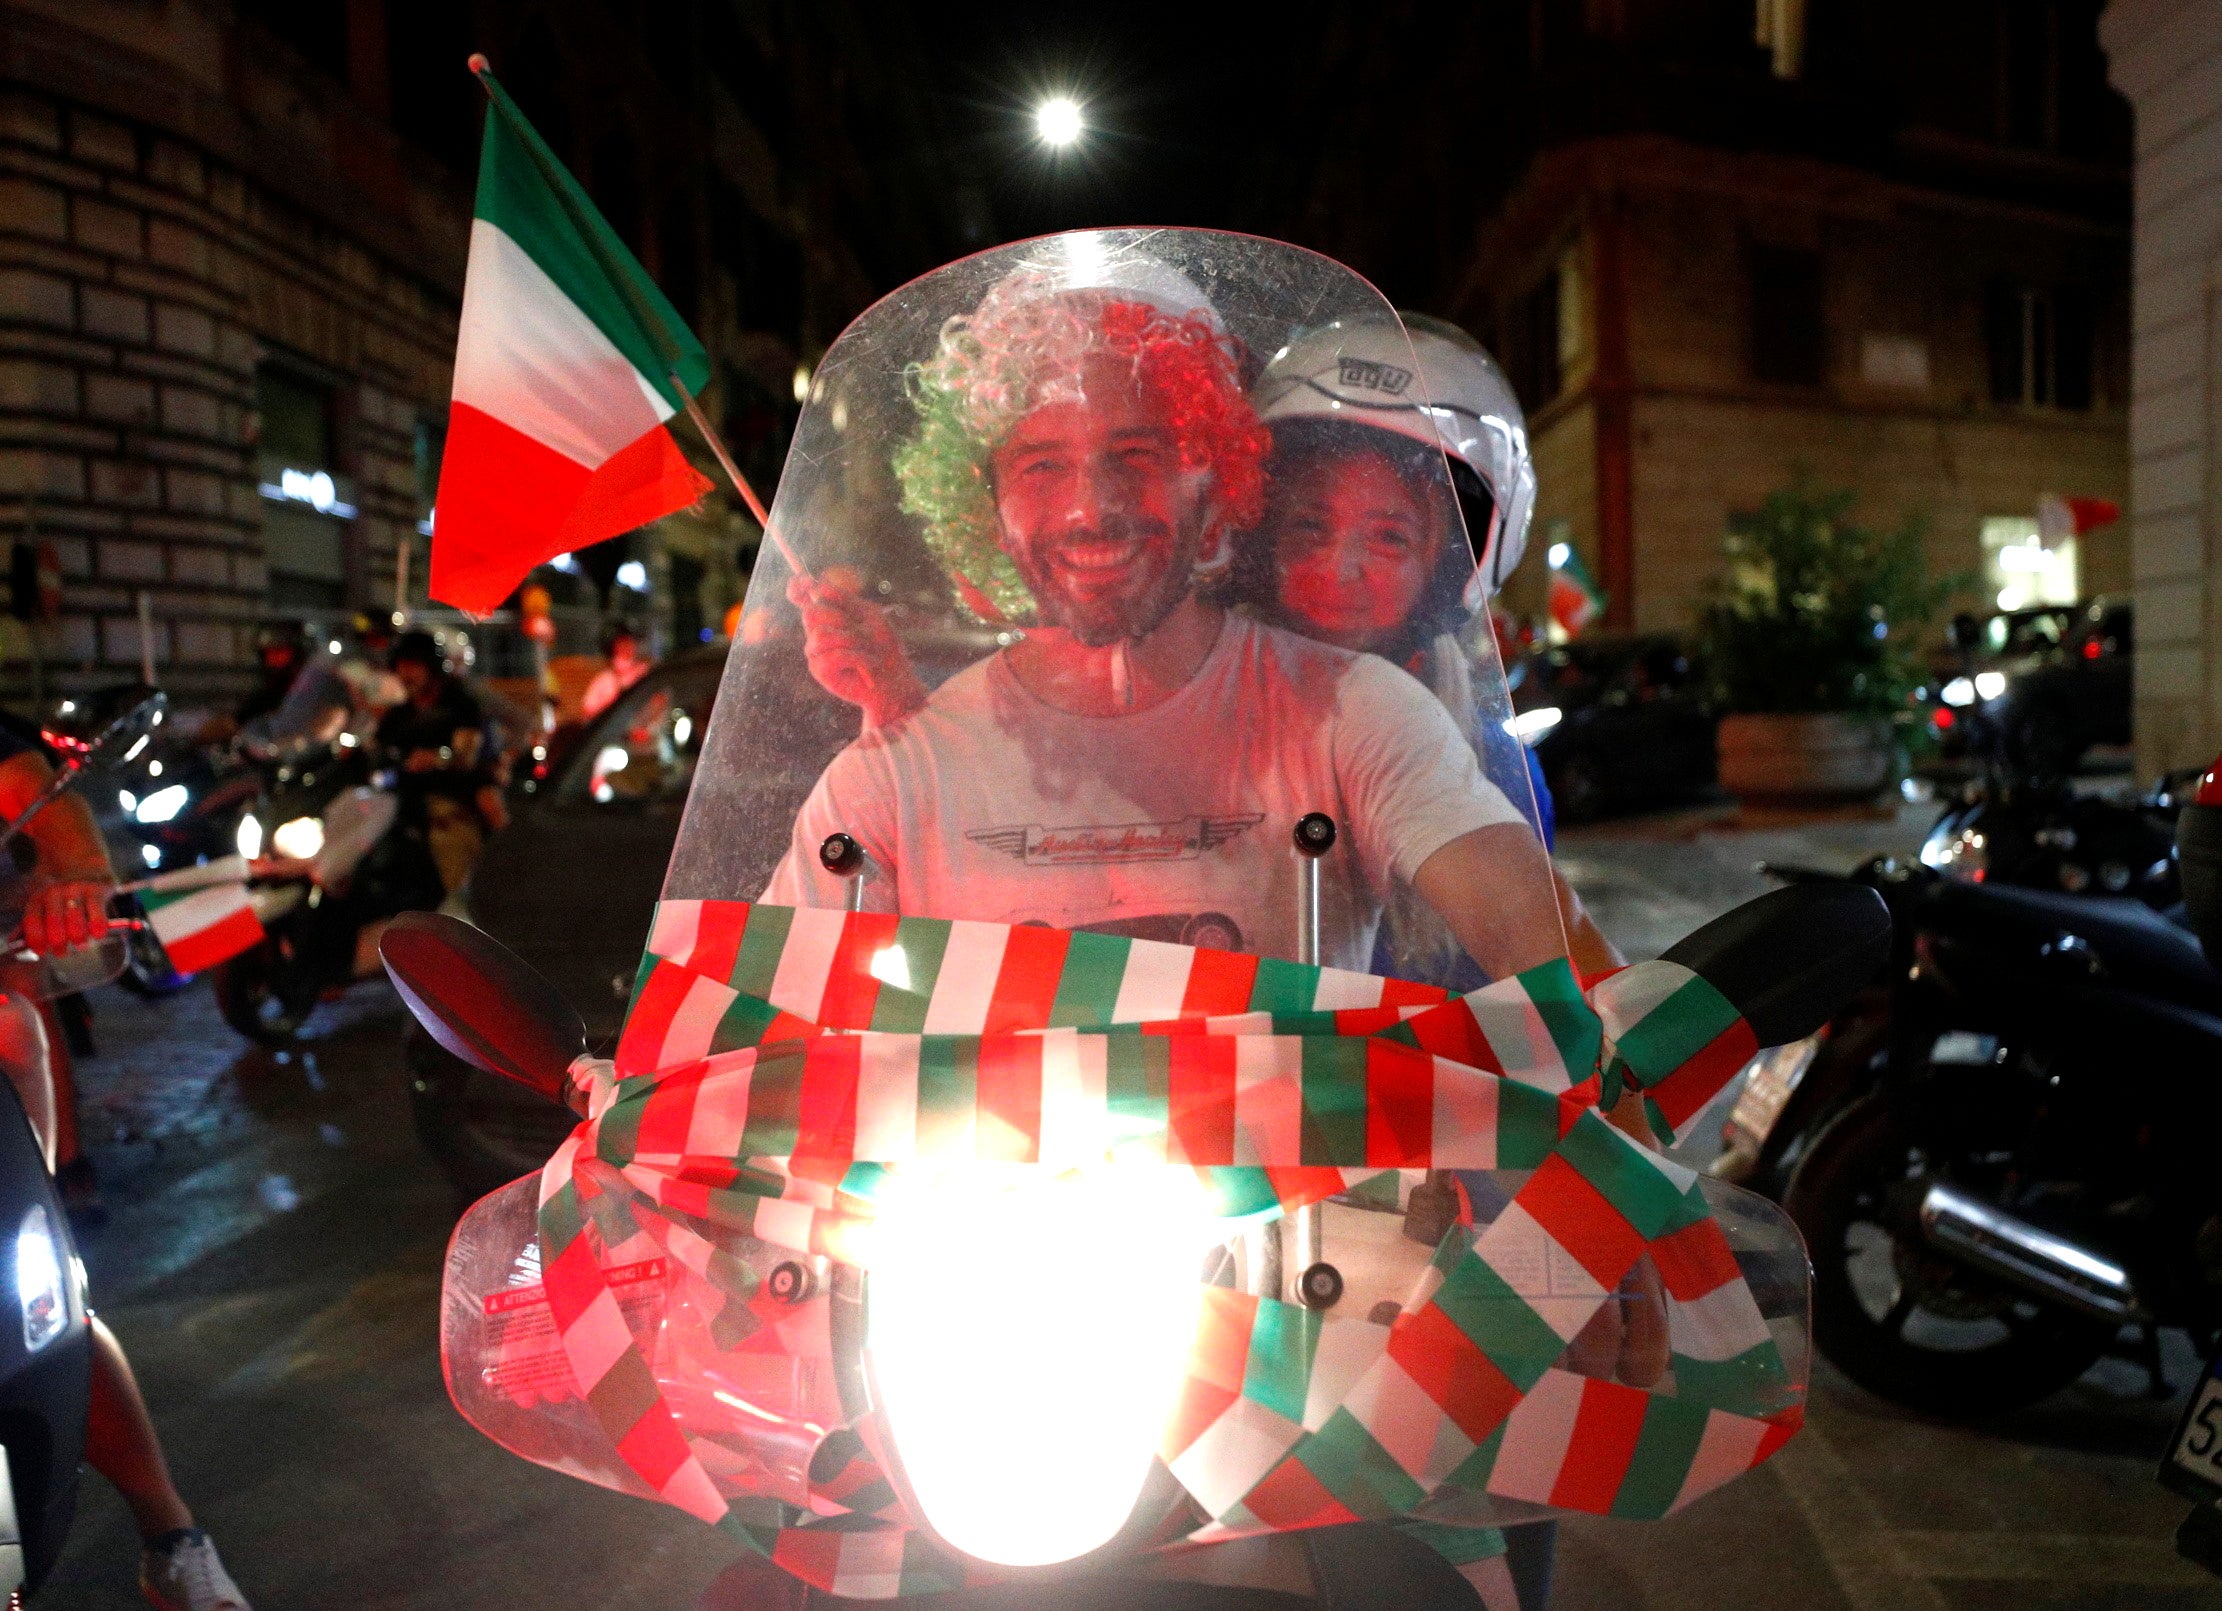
(2192, 1465)
(45, 1356)
(45, 1337)
(922, 1246)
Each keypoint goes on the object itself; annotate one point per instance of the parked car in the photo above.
(1634, 723)
(612, 806)
(2051, 686)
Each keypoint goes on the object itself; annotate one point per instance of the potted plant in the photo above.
(1809, 638)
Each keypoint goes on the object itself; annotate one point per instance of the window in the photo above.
(2021, 571)
(1787, 346)
(305, 505)
(2041, 345)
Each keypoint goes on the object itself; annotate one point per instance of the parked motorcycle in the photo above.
(2019, 820)
(2192, 1465)
(2002, 829)
(1998, 1154)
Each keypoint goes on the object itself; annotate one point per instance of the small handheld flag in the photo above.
(201, 927)
(569, 364)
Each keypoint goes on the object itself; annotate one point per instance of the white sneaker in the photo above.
(186, 1575)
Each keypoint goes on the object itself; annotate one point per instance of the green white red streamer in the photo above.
(777, 1062)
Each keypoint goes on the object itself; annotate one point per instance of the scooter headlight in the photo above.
(248, 841)
(1027, 1333)
(162, 804)
(39, 1287)
(301, 838)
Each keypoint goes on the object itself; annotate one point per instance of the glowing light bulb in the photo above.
(1027, 1333)
(1057, 121)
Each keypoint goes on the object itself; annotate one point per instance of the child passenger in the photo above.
(1363, 547)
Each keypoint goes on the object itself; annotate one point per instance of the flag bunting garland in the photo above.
(777, 1062)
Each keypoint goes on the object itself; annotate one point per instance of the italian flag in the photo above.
(201, 927)
(563, 378)
(1575, 600)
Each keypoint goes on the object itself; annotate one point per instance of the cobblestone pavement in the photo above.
(272, 1261)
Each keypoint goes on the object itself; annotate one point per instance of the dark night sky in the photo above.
(1181, 102)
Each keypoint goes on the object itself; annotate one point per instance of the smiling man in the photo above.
(1137, 760)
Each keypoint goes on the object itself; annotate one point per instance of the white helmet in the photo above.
(1459, 401)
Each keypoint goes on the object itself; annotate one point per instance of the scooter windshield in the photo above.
(1058, 1112)
(1057, 631)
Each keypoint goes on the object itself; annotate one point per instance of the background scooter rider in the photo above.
(178, 1568)
(626, 665)
(437, 738)
(281, 649)
(1361, 548)
(298, 696)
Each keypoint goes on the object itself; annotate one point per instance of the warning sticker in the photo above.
(528, 1363)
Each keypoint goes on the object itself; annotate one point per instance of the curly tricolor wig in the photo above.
(1024, 347)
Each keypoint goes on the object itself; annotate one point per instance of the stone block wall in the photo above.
(2166, 56)
(143, 277)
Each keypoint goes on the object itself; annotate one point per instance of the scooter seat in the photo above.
(2133, 943)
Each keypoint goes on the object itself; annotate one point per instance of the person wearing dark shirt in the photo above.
(437, 737)
(281, 649)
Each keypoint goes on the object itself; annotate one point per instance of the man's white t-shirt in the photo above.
(1172, 823)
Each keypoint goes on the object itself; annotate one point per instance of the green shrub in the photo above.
(1815, 613)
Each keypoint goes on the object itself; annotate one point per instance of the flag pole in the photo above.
(733, 472)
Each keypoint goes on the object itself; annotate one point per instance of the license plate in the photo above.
(1768, 1086)
(2194, 1464)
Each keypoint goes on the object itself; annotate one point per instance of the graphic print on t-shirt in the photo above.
(1099, 844)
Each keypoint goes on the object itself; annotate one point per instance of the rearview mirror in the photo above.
(482, 1002)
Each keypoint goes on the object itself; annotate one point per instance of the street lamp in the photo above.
(1057, 121)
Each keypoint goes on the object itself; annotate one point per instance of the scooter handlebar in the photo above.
(1790, 960)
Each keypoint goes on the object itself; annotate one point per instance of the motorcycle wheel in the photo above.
(264, 994)
(1899, 1318)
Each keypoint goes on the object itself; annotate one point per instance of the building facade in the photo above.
(232, 242)
(213, 281)
(2166, 56)
(1693, 328)
(1719, 241)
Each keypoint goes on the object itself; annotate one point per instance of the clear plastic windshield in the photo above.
(1058, 631)
(1053, 628)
